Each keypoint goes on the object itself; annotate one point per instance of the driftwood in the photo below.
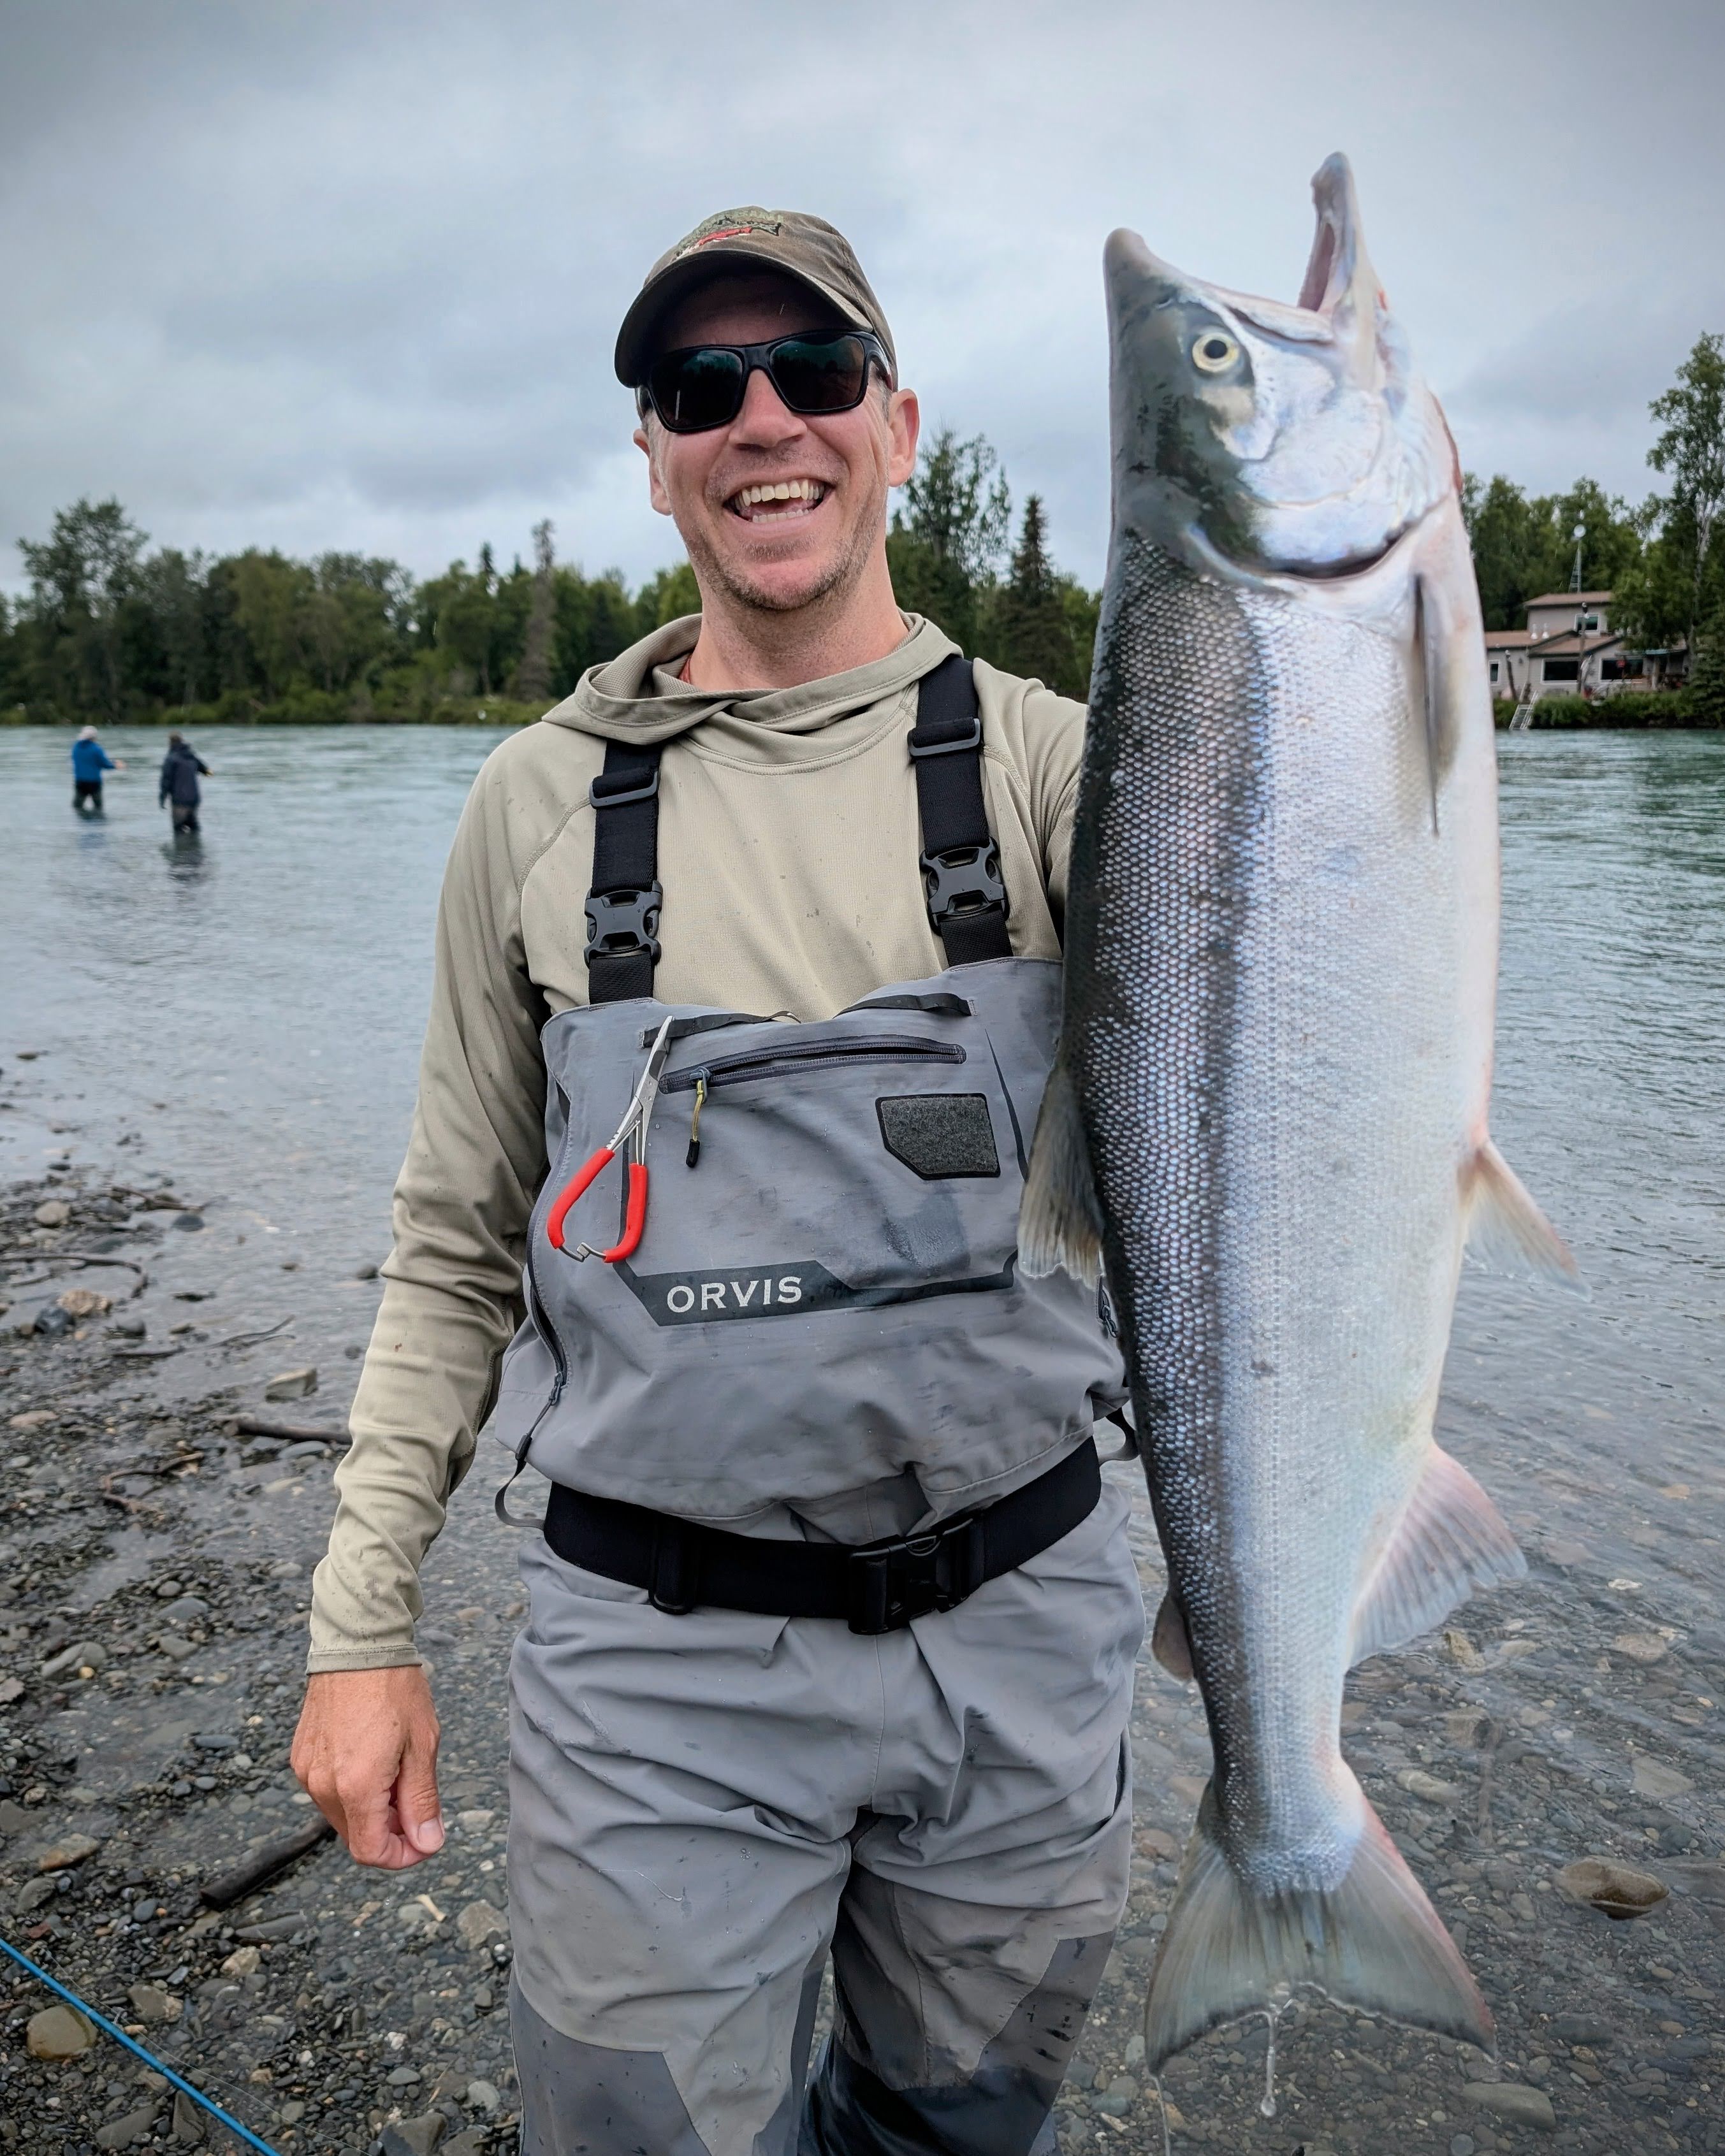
(233, 1885)
(257, 1426)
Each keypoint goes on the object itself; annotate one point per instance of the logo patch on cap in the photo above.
(726, 232)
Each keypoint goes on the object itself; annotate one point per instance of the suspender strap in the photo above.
(623, 905)
(961, 862)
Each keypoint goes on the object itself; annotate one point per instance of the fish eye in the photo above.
(1214, 351)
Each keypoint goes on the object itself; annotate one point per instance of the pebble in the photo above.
(76, 1849)
(413, 2136)
(1613, 1889)
(31, 1419)
(1427, 1787)
(244, 1961)
(1513, 2102)
(483, 2096)
(84, 1654)
(1462, 2144)
(480, 1923)
(152, 2004)
(188, 1223)
(59, 2032)
(291, 1384)
(1644, 1647)
(1652, 1777)
(52, 1213)
(84, 1303)
(123, 2132)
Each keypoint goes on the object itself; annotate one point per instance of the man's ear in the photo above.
(656, 493)
(904, 425)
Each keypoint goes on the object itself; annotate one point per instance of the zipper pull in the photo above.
(693, 1159)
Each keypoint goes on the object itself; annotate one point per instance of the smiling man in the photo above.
(832, 1615)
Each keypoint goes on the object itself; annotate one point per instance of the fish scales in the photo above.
(1268, 1119)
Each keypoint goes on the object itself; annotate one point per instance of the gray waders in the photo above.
(742, 1742)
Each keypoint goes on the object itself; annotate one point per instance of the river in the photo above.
(241, 1015)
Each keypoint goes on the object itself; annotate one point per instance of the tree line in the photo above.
(108, 630)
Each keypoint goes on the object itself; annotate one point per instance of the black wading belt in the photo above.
(876, 1586)
(961, 862)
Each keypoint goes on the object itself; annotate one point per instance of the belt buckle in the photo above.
(890, 1584)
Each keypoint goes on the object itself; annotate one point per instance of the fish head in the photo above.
(1265, 438)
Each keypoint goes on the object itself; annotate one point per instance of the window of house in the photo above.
(1494, 669)
(1562, 670)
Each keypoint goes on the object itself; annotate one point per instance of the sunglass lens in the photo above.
(820, 374)
(695, 389)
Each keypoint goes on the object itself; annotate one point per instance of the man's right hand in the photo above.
(366, 1752)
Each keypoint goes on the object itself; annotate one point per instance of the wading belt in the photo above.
(875, 1587)
(961, 862)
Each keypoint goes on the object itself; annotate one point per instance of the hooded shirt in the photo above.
(178, 782)
(789, 844)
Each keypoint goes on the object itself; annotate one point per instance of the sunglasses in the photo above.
(704, 385)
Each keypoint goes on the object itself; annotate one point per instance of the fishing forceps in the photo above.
(632, 1132)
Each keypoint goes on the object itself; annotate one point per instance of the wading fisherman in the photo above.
(832, 1617)
(90, 760)
(178, 789)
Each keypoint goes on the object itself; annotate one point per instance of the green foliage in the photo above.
(1523, 546)
(946, 544)
(1707, 687)
(1691, 448)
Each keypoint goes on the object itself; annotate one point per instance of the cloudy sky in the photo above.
(345, 272)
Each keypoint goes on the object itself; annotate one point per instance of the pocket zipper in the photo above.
(792, 1058)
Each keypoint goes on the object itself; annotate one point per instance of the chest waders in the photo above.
(822, 1290)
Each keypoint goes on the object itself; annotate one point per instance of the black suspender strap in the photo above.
(623, 905)
(961, 862)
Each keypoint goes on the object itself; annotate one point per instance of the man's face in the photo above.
(777, 554)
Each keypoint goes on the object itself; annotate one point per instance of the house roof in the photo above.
(1571, 646)
(1570, 598)
(1506, 639)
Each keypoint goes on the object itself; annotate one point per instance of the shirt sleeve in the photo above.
(452, 1282)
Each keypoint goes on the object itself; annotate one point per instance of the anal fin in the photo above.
(1507, 1230)
(1060, 1220)
(1451, 1541)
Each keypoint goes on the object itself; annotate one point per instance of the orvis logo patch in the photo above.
(781, 1290)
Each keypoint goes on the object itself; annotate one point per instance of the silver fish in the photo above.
(1268, 1119)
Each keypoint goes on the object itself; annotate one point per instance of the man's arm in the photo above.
(367, 1744)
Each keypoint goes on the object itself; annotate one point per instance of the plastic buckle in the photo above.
(620, 922)
(675, 1564)
(963, 880)
(598, 798)
(891, 1582)
(972, 740)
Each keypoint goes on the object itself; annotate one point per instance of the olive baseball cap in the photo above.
(805, 249)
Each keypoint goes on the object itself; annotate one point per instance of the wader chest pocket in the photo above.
(939, 1136)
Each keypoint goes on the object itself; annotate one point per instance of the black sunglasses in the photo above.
(704, 385)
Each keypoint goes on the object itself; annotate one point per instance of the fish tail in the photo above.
(1373, 1941)
(1060, 1221)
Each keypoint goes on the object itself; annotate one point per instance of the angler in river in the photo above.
(1268, 1119)
(714, 1217)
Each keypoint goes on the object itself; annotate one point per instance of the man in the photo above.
(706, 1796)
(178, 787)
(90, 760)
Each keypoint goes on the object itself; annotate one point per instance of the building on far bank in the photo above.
(1569, 648)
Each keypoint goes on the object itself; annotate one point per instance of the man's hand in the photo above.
(366, 1752)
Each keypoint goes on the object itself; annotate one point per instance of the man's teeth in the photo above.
(809, 491)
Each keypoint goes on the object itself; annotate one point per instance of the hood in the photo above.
(637, 696)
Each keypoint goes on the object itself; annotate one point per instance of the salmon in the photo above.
(1267, 1125)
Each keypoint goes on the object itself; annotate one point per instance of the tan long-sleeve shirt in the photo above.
(789, 840)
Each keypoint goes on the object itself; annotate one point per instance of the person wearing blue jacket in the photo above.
(180, 768)
(90, 760)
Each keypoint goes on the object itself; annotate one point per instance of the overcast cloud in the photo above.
(312, 275)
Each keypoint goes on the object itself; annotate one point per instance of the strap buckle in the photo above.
(971, 738)
(602, 796)
(620, 922)
(888, 1583)
(963, 880)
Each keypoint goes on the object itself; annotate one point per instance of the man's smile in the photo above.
(778, 501)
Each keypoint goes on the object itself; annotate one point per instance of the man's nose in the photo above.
(765, 419)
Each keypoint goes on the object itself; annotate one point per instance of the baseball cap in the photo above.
(805, 249)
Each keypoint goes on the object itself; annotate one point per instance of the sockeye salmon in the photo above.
(1268, 1119)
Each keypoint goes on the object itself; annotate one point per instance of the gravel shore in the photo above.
(155, 1561)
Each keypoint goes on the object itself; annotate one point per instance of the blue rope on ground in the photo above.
(120, 2036)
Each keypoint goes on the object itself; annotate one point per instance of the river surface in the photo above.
(241, 1016)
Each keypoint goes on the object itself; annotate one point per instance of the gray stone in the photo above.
(480, 1923)
(184, 1609)
(176, 1649)
(52, 1213)
(81, 1653)
(293, 1384)
(59, 2032)
(189, 1223)
(1462, 2144)
(165, 1590)
(415, 2137)
(470, 2141)
(135, 2126)
(1513, 2102)
(33, 1894)
(483, 2096)
(404, 2077)
(70, 1849)
(216, 1740)
(152, 2004)
(128, 1328)
(188, 2128)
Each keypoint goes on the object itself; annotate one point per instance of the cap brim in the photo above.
(635, 339)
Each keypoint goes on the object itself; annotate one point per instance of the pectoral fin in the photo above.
(1059, 1221)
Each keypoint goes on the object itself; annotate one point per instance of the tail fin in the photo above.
(1374, 1942)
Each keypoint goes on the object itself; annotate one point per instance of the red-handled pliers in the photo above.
(632, 1131)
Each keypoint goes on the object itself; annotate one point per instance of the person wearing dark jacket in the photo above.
(179, 783)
